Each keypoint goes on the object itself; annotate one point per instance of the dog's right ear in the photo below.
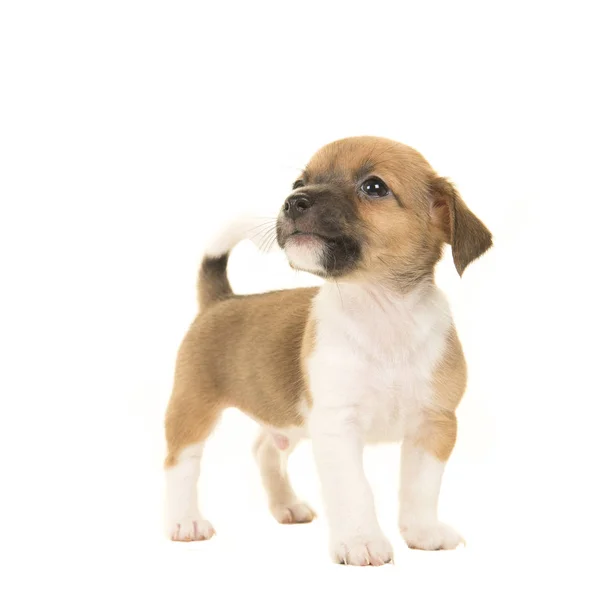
(467, 235)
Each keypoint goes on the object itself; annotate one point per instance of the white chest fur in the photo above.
(375, 355)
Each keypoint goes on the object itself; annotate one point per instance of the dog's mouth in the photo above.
(309, 237)
(324, 255)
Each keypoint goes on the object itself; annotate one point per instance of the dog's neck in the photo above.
(382, 321)
(404, 282)
(397, 285)
(380, 295)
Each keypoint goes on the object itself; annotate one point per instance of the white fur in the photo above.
(370, 376)
(370, 379)
(306, 256)
(246, 227)
(184, 521)
(272, 460)
(419, 492)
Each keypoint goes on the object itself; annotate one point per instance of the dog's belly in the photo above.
(383, 405)
(382, 418)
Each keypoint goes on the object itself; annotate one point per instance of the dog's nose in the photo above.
(296, 205)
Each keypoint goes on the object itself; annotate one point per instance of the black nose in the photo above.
(296, 205)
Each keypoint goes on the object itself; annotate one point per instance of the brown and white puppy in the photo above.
(371, 356)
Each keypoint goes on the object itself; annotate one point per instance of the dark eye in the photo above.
(298, 184)
(375, 188)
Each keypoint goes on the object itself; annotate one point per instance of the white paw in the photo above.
(295, 513)
(431, 536)
(361, 551)
(190, 530)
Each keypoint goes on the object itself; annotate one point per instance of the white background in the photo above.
(130, 131)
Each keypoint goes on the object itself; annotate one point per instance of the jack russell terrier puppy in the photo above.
(371, 356)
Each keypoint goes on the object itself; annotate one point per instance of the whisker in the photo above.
(260, 225)
(266, 237)
(269, 239)
(270, 243)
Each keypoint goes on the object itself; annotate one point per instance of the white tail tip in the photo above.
(261, 230)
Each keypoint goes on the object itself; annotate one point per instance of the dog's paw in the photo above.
(191, 530)
(431, 536)
(361, 551)
(295, 513)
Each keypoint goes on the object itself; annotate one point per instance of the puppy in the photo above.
(371, 356)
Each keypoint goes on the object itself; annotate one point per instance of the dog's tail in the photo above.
(213, 284)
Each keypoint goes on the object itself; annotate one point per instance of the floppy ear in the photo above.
(467, 235)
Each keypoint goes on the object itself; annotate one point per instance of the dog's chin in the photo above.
(306, 252)
(320, 255)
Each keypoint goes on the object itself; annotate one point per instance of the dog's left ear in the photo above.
(467, 235)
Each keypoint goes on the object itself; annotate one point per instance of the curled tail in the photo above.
(213, 284)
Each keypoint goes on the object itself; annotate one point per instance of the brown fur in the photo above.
(213, 285)
(402, 235)
(243, 352)
(437, 433)
(309, 342)
(467, 235)
(249, 352)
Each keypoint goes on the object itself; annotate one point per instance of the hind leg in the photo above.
(271, 452)
(188, 423)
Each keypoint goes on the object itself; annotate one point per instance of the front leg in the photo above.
(424, 456)
(355, 535)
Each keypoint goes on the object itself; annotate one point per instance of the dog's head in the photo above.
(371, 207)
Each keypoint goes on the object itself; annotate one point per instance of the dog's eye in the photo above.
(375, 188)
(298, 184)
